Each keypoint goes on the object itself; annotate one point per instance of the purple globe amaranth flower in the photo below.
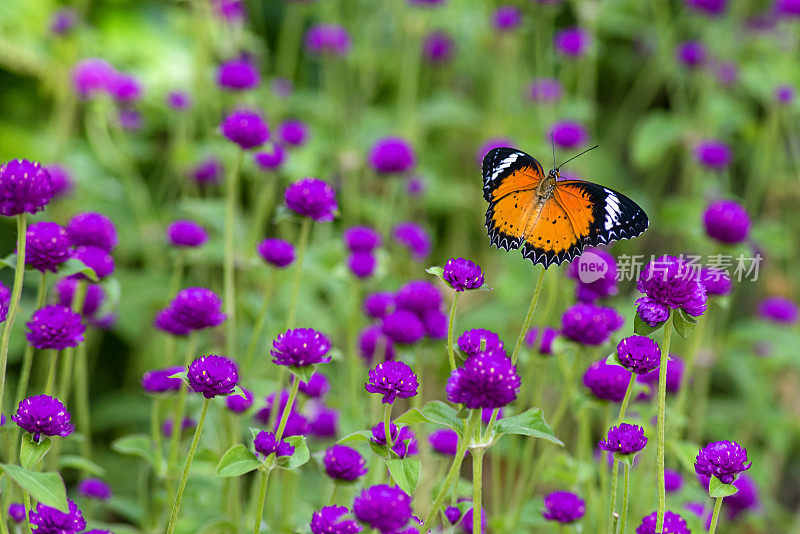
(624, 439)
(327, 39)
(778, 310)
(563, 507)
(438, 47)
(480, 341)
(673, 481)
(784, 94)
(392, 155)
(270, 158)
(444, 441)
(55, 327)
(324, 422)
(414, 238)
(378, 305)
(787, 8)
(293, 132)
(435, 323)
(726, 221)
(63, 21)
(589, 324)
(453, 514)
(544, 90)
(207, 172)
(568, 134)
(276, 252)
(5, 299)
(722, 459)
(708, 7)
(159, 381)
(717, 281)
(639, 354)
(91, 76)
(313, 198)
(362, 264)
(713, 154)
(47, 520)
(196, 308)
(266, 443)
(17, 512)
(46, 246)
(675, 368)
(418, 296)
(673, 524)
(125, 88)
(607, 382)
(506, 18)
(91, 229)
(545, 341)
(61, 180)
(484, 381)
(462, 274)
(186, 233)
(97, 260)
(300, 347)
(404, 442)
(383, 507)
(403, 327)
(65, 292)
(94, 488)
(166, 321)
(370, 340)
(25, 187)
(239, 404)
(669, 283)
(392, 379)
(179, 100)
(329, 520)
(571, 42)
(361, 239)
(42, 414)
(238, 74)
(316, 387)
(212, 376)
(245, 128)
(344, 463)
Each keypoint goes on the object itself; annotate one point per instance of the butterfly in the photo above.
(550, 219)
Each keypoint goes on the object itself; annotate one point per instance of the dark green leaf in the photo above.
(717, 489)
(405, 473)
(31, 452)
(136, 445)
(411, 417)
(75, 266)
(47, 488)
(613, 359)
(529, 423)
(9, 261)
(361, 435)
(442, 414)
(237, 390)
(642, 328)
(300, 455)
(303, 373)
(684, 323)
(237, 461)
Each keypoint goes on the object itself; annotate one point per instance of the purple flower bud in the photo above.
(722, 459)
(713, 154)
(362, 264)
(63, 20)
(383, 507)
(569, 134)
(480, 341)
(673, 524)
(727, 221)
(324, 423)
(46, 247)
(392, 155)
(125, 88)
(179, 100)
(435, 323)
(17, 512)
(607, 382)
(545, 346)
(414, 238)
(47, 520)
(42, 414)
(328, 521)
(312, 198)
(197, 308)
(167, 322)
(378, 305)
(245, 128)
(344, 463)
(370, 339)
(506, 18)
(129, 119)
(544, 90)
(300, 347)
(571, 42)
(361, 239)
(212, 376)
(589, 324)
(418, 296)
(453, 514)
(673, 481)
(96, 259)
(316, 387)
(717, 281)
(563, 507)
(691, 53)
(639, 354)
(674, 375)
(91, 76)
(444, 441)
(186, 234)
(55, 327)
(438, 47)
(293, 132)
(238, 74)
(778, 310)
(784, 94)
(266, 443)
(403, 327)
(624, 439)
(462, 274)
(392, 379)
(276, 252)
(90, 229)
(484, 381)
(94, 488)
(207, 172)
(239, 404)
(270, 158)
(159, 381)
(65, 291)
(25, 187)
(668, 282)
(327, 39)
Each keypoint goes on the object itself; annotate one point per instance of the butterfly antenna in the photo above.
(573, 157)
(553, 144)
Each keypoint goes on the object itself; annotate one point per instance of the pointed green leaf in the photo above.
(31, 452)
(442, 414)
(529, 423)
(684, 323)
(136, 445)
(75, 266)
(47, 488)
(361, 435)
(405, 473)
(411, 417)
(436, 271)
(642, 328)
(717, 489)
(303, 373)
(237, 461)
(9, 261)
(613, 359)
(300, 455)
(237, 390)
(183, 375)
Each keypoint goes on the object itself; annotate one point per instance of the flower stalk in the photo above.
(662, 401)
(13, 305)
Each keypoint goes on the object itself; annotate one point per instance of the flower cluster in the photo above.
(55, 327)
(607, 382)
(673, 524)
(638, 354)
(245, 128)
(392, 155)
(669, 283)
(329, 520)
(312, 198)
(25, 187)
(563, 507)
(276, 252)
(413, 237)
(186, 234)
(383, 507)
(47, 520)
(46, 246)
(404, 442)
(159, 381)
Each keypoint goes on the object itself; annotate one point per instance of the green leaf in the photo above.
(529, 423)
(136, 445)
(436, 271)
(9, 261)
(238, 391)
(684, 323)
(183, 375)
(613, 359)
(75, 266)
(361, 435)
(47, 488)
(642, 328)
(442, 414)
(405, 473)
(685, 452)
(411, 417)
(237, 461)
(81, 464)
(626, 459)
(717, 489)
(303, 373)
(300, 455)
(31, 452)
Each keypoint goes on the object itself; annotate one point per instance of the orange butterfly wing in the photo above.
(550, 236)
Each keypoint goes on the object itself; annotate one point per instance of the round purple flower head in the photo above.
(344, 463)
(271, 157)
(437, 47)
(378, 305)
(212, 376)
(312, 198)
(564, 507)
(480, 341)
(361, 239)
(293, 132)
(327, 39)
(179, 100)
(207, 172)
(90, 229)
(506, 18)
(362, 264)
(63, 20)
(47, 520)
(453, 514)
(370, 339)
(245, 128)
(238, 74)
(94, 488)
(239, 404)
(639, 354)
(444, 441)
(61, 179)
(159, 381)
(328, 521)
(595, 273)
(484, 382)
(674, 375)
(266, 443)
(462, 274)
(65, 291)
(784, 94)
(324, 422)
(624, 439)
(414, 238)
(96, 259)
(673, 524)
(276, 252)
(589, 324)
(196, 308)
(300, 347)
(669, 283)
(544, 90)
(726, 221)
(392, 379)
(186, 234)
(403, 439)
(722, 459)
(787, 8)
(42, 414)
(17, 512)
(708, 7)
(125, 88)
(91, 76)
(316, 387)
(717, 281)
(25, 187)
(392, 155)
(568, 134)
(46, 246)
(571, 42)
(55, 327)
(403, 327)
(545, 343)
(673, 481)
(713, 154)
(778, 310)
(383, 507)
(167, 322)
(418, 296)
(435, 323)
(607, 382)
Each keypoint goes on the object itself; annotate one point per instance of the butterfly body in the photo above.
(551, 220)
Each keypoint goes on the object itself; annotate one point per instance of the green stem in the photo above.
(68, 355)
(177, 272)
(176, 506)
(27, 358)
(662, 401)
(259, 326)
(228, 267)
(26, 501)
(289, 44)
(450, 327)
(334, 491)
(262, 499)
(477, 486)
(529, 317)
(387, 425)
(51, 374)
(625, 494)
(155, 434)
(625, 400)
(715, 517)
(286, 409)
(13, 305)
(614, 479)
(302, 243)
(82, 400)
(177, 421)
